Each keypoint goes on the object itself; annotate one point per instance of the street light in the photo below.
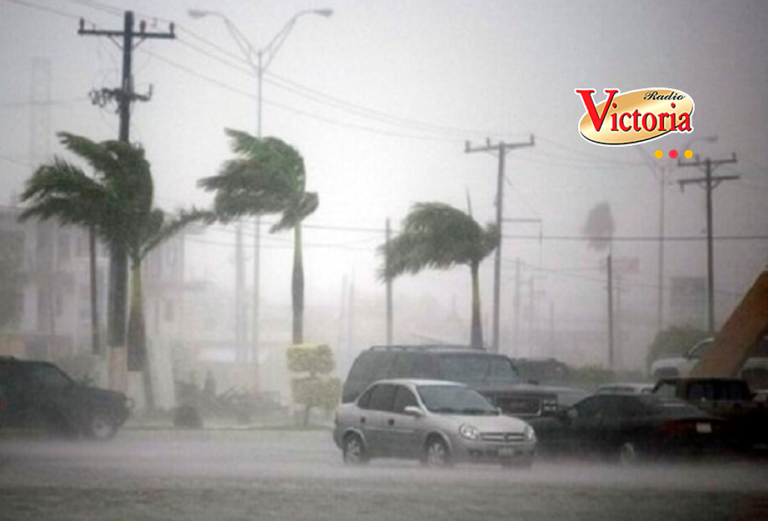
(264, 56)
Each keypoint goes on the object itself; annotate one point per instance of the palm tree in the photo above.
(439, 236)
(117, 203)
(267, 176)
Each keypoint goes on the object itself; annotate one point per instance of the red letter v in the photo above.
(589, 104)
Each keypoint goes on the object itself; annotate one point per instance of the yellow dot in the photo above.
(689, 154)
(659, 154)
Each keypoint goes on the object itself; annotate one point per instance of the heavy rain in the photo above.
(336, 259)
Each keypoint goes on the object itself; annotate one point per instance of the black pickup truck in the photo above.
(492, 375)
(727, 398)
(39, 394)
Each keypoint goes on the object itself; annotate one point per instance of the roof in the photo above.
(418, 382)
(432, 348)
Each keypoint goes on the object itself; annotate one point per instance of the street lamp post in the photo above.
(263, 59)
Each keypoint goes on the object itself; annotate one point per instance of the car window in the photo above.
(468, 368)
(371, 366)
(590, 408)
(383, 397)
(454, 399)
(365, 400)
(49, 376)
(666, 389)
(700, 349)
(425, 366)
(403, 398)
(701, 391)
(402, 366)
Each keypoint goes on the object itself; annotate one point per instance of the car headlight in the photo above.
(469, 431)
(529, 433)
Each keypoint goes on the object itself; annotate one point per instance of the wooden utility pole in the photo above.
(389, 285)
(609, 264)
(127, 40)
(709, 183)
(500, 149)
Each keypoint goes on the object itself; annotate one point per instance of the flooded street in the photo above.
(299, 475)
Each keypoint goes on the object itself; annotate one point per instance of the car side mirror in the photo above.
(412, 410)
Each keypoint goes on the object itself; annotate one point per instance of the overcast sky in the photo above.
(380, 98)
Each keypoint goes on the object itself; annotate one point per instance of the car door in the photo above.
(376, 417)
(584, 430)
(51, 395)
(402, 431)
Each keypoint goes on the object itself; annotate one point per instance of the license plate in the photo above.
(507, 451)
(704, 428)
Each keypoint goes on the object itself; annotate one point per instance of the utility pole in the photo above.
(124, 96)
(501, 150)
(389, 285)
(516, 345)
(609, 264)
(709, 183)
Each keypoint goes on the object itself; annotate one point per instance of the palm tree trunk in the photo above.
(297, 287)
(95, 341)
(116, 327)
(477, 326)
(137, 335)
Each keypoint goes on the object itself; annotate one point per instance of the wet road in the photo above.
(299, 475)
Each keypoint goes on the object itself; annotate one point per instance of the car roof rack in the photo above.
(424, 347)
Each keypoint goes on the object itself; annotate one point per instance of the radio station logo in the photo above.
(634, 117)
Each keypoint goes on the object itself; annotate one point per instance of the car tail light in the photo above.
(677, 428)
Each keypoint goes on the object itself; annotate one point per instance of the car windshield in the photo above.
(453, 399)
(468, 368)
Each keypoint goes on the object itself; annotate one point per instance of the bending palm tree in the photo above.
(267, 177)
(117, 204)
(439, 236)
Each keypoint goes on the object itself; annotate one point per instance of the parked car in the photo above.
(437, 422)
(625, 388)
(492, 375)
(41, 394)
(628, 428)
(755, 370)
(728, 398)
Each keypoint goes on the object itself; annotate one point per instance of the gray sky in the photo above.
(502, 68)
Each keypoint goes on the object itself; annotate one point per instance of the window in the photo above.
(365, 400)
(383, 397)
(469, 368)
(403, 398)
(668, 390)
(402, 367)
(590, 409)
(452, 399)
(49, 376)
(425, 366)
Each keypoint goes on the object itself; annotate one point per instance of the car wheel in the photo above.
(101, 426)
(628, 454)
(354, 450)
(436, 454)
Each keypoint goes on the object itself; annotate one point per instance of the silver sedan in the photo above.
(437, 422)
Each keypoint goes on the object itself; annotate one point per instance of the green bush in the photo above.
(315, 389)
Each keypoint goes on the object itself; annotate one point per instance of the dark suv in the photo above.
(492, 375)
(40, 394)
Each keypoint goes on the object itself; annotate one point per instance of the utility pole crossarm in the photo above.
(501, 150)
(709, 182)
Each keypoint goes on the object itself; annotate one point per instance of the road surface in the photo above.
(208, 475)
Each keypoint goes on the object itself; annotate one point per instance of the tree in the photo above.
(439, 236)
(117, 203)
(267, 176)
(11, 278)
(316, 389)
